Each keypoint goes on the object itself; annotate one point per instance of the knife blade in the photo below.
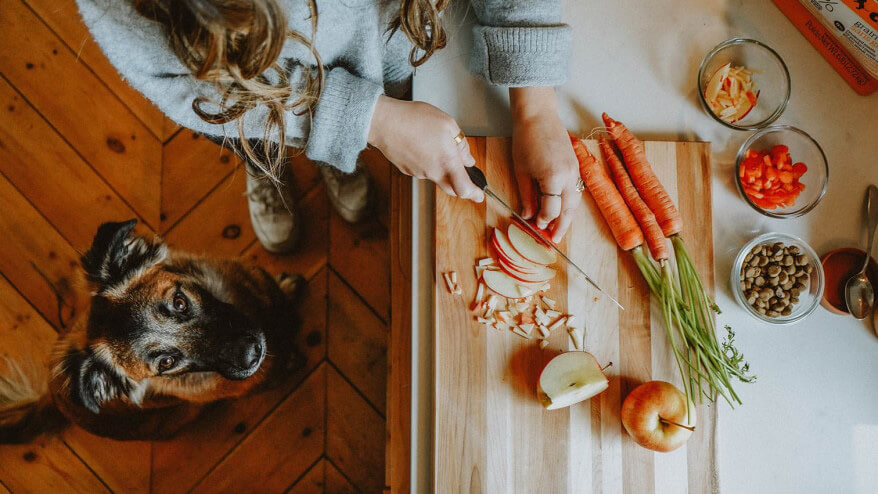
(478, 178)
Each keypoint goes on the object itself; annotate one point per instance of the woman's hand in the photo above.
(418, 138)
(546, 169)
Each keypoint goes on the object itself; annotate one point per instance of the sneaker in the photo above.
(272, 214)
(350, 193)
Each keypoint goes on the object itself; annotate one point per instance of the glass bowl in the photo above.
(770, 77)
(808, 301)
(802, 148)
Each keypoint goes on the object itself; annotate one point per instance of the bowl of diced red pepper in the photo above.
(781, 172)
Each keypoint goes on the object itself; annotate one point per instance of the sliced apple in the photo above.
(543, 237)
(529, 247)
(570, 378)
(542, 275)
(507, 286)
(504, 247)
(711, 91)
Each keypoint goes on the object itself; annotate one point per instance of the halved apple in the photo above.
(503, 248)
(570, 378)
(507, 286)
(528, 247)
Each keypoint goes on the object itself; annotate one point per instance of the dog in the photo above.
(164, 333)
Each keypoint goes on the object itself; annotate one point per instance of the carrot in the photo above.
(651, 190)
(655, 239)
(622, 224)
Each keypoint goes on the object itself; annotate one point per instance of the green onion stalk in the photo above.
(707, 367)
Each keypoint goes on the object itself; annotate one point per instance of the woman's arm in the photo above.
(335, 133)
(520, 42)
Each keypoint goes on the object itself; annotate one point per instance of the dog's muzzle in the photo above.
(241, 359)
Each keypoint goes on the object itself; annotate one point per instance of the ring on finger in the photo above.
(546, 194)
(459, 137)
(580, 185)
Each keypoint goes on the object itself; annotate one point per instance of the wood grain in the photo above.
(89, 115)
(354, 434)
(278, 451)
(46, 465)
(63, 18)
(399, 372)
(44, 167)
(312, 482)
(191, 167)
(357, 342)
(496, 432)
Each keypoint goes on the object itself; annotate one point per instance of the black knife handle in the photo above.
(477, 177)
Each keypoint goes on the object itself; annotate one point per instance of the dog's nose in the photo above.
(252, 354)
(244, 354)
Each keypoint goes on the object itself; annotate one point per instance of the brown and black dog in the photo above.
(164, 333)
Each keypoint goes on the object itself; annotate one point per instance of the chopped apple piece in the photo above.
(544, 343)
(486, 261)
(570, 378)
(716, 82)
(729, 93)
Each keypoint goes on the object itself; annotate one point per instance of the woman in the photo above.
(322, 76)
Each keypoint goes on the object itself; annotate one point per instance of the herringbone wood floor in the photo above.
(78, 147)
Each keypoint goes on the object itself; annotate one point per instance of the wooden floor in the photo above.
(78, 147)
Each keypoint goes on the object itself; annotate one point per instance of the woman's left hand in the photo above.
(546, 169)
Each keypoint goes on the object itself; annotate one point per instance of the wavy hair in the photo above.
(235, 43)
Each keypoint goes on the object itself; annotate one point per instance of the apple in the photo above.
(543, 237)
(657, 417)
(570, 378)
(507, 286)
(529, 247)
(504, 249)
(538, 276)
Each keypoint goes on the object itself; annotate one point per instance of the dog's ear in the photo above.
(93, 382)
(115, 253)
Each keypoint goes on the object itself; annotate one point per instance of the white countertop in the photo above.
(810, 422)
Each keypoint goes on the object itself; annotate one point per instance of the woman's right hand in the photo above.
(418, 138)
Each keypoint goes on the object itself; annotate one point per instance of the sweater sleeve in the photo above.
(334, 133)
(520, 42)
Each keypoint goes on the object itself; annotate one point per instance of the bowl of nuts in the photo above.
(778, 278)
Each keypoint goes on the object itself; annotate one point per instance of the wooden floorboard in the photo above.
(79, 147)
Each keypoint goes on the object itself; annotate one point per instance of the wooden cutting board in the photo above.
(490, 432)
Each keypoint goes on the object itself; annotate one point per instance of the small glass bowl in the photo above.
(808, 301)
(802, 148)
(770, 77)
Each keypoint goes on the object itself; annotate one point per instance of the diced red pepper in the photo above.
(770, 179)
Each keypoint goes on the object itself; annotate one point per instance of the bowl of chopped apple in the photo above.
(743, 84)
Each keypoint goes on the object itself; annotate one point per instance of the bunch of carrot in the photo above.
(638, 210)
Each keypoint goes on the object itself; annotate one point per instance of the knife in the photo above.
(478, 178)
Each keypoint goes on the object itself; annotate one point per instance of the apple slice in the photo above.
(570, 378)
(505, 248)
(541, 275)
(543, 237)
(711, 91)
(507, 286)
(529, 247)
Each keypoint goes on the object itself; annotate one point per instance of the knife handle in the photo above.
(477, 177)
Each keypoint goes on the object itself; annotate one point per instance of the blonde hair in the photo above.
(233, 43)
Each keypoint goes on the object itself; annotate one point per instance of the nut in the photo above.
(789, 284)
(783, 278)
(765, 293)
(773, 281)
(787, 311)
(801, 260)
(772, 313)
(773, 270)
(808, 268)
(794, 250)
(760, 310)
(759, 281)
(788, 260)
(751, 272)
(763, 260)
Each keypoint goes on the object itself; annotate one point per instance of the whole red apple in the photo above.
(655, 416)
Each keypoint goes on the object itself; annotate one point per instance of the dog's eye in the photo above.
(167, 362)
(180, 302)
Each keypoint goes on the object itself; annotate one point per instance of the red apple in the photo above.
(536, 276)
(570, 378)
(657, 417)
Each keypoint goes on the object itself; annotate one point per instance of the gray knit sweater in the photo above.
(517, 43)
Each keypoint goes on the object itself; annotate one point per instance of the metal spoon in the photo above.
(858, 291)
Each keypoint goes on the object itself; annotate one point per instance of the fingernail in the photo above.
(557, 238)
(541, 224)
